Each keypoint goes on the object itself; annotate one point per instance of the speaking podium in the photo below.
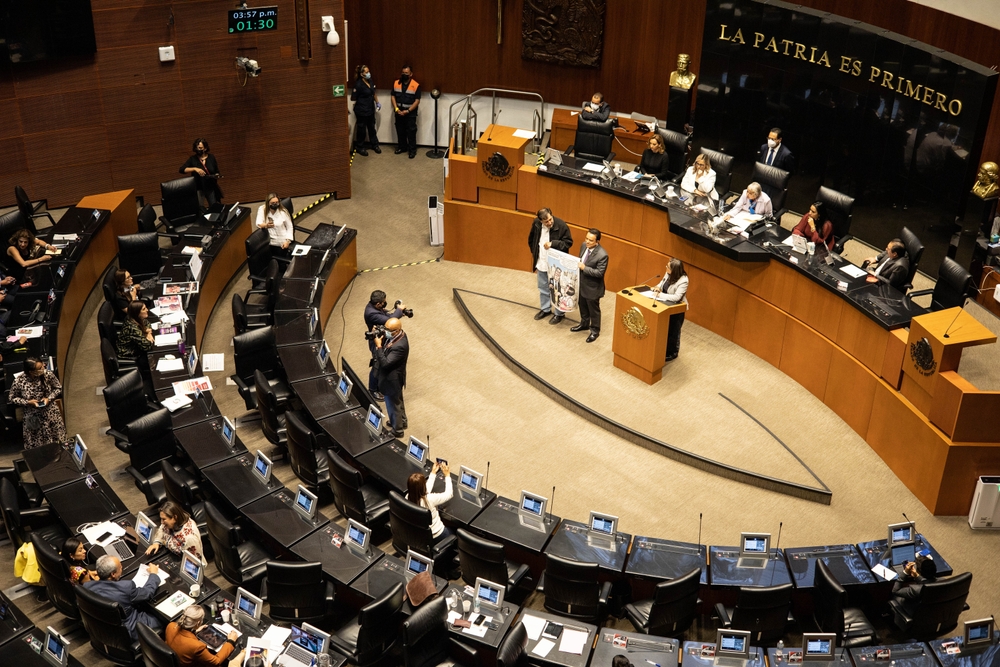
(640, 335)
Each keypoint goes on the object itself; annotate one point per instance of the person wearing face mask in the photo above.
(775, 153)
(205, 169)
(596, 109)
(392, 350)
(365, 105)
(274, 217)
(405, 100)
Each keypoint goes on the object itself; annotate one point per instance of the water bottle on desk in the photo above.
(779, 651)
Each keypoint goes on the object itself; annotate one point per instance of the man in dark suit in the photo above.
(891, 265)
(775, 153)
(547, 231)
(375, 314)
(391, 353)
(910, 585)
(125, 593)
(593, 265)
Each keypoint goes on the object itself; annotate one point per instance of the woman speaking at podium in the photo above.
(673, 289)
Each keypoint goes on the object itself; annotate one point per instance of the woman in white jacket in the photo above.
(673, 289)
(418, 492)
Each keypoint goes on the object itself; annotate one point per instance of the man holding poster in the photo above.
(547, 232)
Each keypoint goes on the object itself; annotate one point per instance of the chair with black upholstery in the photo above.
(20, 523)
(307, 454)
(675, 146)
(241, 562)
(764, 612)
(951, 289)
(513, 649)
(914, 251)
(722, 165)
(840, 211)
(114, 366)
(243, 322)
(258, 248)
(480, 557)
(365, 503)
(181, 208)
(594, 140)
(145, 222)
(831, 613)
(272, 417)
(935, 611)
(260, 300)
(672, 608)
(108, 286)
(139, 254)
(571, 589)
(373, 633)
(254, 351)
(150, 441)
(155, 651)
(104, 622)
(55, 576)
(107, 324)
(31, 210)
(411, 529)
(126, 401)
(29, 494)
(297, 592)
(181, 487)
(427, 641)
(360, 389)
(774, 182)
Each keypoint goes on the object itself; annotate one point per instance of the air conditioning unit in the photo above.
(985, 512)
(435, 219)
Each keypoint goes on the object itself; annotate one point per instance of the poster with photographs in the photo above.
(564, 279)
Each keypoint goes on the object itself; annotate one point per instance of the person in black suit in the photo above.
(593, 265)
(376, 314)
(390, 357)
(775, 153)
(910, 585)
(892, 265)
(126, 593)
(547, 231)
(596, 109)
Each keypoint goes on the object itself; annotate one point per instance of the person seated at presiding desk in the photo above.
(815, 226)
(775, 153)
(753, 201)
(75, 554)
(178, 532)
(654, 160)
(418, 492)
(673, 289)
(273, 217)
(547, 231)
(203, 166)
(182, 638)
(596, 109)
(891, 265)
(136, 336)
(28, 251)
(111, 587)
(910, 584)
(699, 180)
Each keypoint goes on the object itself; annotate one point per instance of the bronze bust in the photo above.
(986, 181)
(682, 77)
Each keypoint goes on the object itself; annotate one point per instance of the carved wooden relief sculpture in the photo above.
(567, 32)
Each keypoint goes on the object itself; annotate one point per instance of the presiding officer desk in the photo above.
(845, 343)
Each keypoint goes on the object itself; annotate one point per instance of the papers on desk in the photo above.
(853, 271)
(57, 251)
(175, 604)
(176, 402)
(300, 250)
(534, 626)
(258, 648)
(596, 168)
(573, 113)
(165, 365)
(453, 616)
(65, 237)
(192, 386)
(632, 176)
(175, 317)
(744, 220)
(884, 572)
(524, 134)
(572, 641)
(95, 532)
(163, 340)
(543, 647)
(479, 629)
(190, 250)
(213, 362)
(29, 332)
(142, 576)
(788, 242)
(276, 636)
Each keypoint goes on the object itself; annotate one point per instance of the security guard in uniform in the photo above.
(405, 100)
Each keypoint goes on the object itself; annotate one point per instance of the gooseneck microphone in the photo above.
(552, 503)
(947, 332)
(489, 137)
(699, 529)
(486, 483)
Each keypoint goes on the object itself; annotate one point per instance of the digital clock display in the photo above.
(251, 20)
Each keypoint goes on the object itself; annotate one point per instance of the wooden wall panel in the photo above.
(850, 391)
(712, 302)
(805, 357)
(66, 148)
(33, 79)
(48, 113)
(759, 328)
(14, 158)
(64, 184)
(124, 104)
(130, 26)
(10, 111)
(134, 66)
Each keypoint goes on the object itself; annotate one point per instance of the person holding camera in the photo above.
(392, 349)
(377, 315)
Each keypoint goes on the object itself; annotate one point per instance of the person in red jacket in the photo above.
(815, 226)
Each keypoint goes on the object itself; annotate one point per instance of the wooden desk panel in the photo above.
(567, 201)
(461, 181)
(224, 266)
(966, 462)
(850, 391)
(805, 357)
(472, 234)
(862, 338)
(616, 217)
(650, 263)
(815, 306)
(713, 302)
(527, 190)
(344, 271)
(759, 327)
(501, 140)
(655, 232)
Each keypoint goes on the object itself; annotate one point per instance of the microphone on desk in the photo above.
(947, 332)
(552, 503)
(489, 137)
(486, 482)
(699, 529)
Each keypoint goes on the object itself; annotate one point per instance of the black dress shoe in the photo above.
(542, 314)
(400, 150)
(557, 318)
(580, 327)
(377, 149)
(377, 396)
(362, 151)
(398, 434)
(592, 337)
(413, 154)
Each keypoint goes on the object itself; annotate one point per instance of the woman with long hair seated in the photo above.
(418, 492)
(28, 251)
(136, 336)
(177, 531)
(182, 637)
(75, 555)
(815, 226)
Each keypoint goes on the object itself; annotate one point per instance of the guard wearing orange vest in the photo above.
(405, 100)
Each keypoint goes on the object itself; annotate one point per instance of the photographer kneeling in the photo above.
(392, 349)
(376, 314)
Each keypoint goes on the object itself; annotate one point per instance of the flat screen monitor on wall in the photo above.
(46, 29)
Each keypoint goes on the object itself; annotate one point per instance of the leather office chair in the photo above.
(676, 146)
(108, 286)
(951, 289)
(297, 592)
(480, 557)
(935, 612)
(241, 562)
(107, 325)
(365, 503)
(839, 208)
(181, 487)
(31, 211)
(774, 182)
(914, 251)
(20, 523)
(179, 199)
(258, 248)
(104, 622)
(272, 418)
(126, 401)
(831, 613)
(260, 301)
(411, 529)
(571, 588)
(427, 641)
(307, 454)
(672, 608)
(10, 222)
(28, 494)
(139, 254)
(255, 351)
(55, 576)
(360, 389)
(594, 140)
(155, 651)
(373, 633)
(150, 441)
(722, 165)
(764, 612)
(513, 649)
(145, 222)
(242, 322)
(114, 367)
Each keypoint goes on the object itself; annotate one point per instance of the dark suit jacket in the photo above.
(592, 275)
(375, 316)
(783, 159)
(126, 594)
(600, 114)
(895, 270)
(391, 361)
(559, 237)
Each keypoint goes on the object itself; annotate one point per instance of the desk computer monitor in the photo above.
(344, 388)
(313, 321)
(323, 261)
(191, 568)
(192, 365)
(323, 355)
(262, 467)
(228, 431)
(901, 532)
(470, 480)
(315, 288)
(603, 525)
(732, 644)
(818, 645)
(902, 553)
(144, 529)
(532, 505)
(373, 421)
(340, 235)
(978, 633)
(357, 535)
(306, 503)
(488, 593)
(248, 606)
(54, 647)
(755, 549)
(417, 451)
(234, 211)
(415, 564)
(79, 453)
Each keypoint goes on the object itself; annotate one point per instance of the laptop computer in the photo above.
(531, 510)
(469, 484)
(901, 554)
(755, 549)
(732, 648)
(304, 645)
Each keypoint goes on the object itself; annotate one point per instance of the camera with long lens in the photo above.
(406, 311)
(378, 331)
